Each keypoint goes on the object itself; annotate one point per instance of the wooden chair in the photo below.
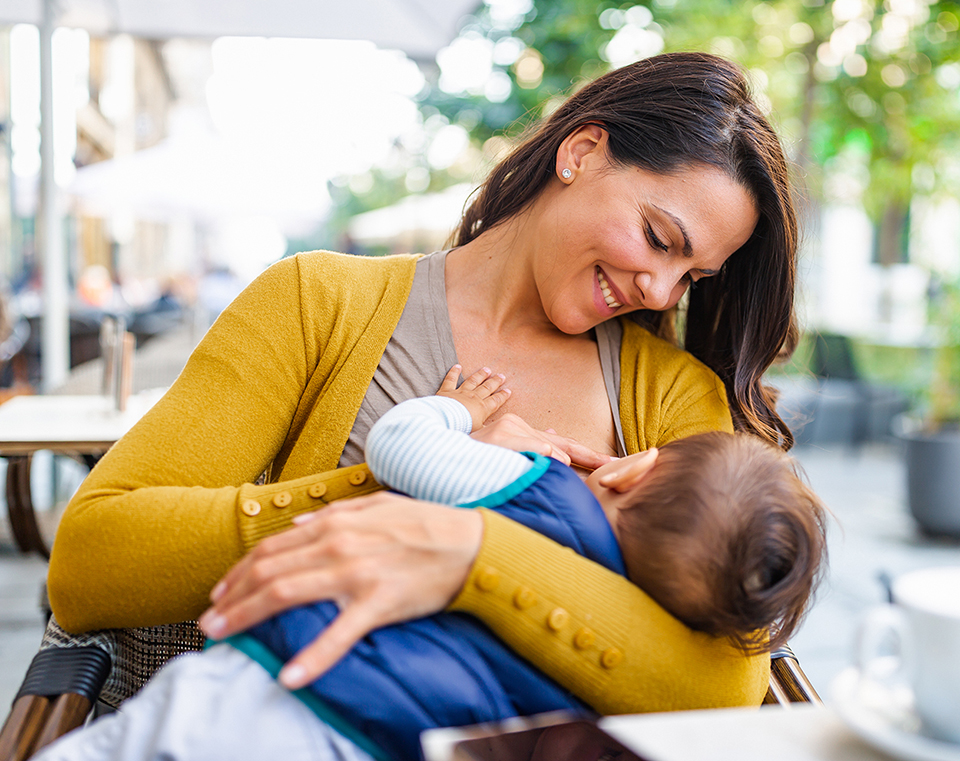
(71, 673)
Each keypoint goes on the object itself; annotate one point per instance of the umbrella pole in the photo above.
(55, 330)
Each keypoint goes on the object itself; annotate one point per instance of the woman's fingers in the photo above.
(577, 453)
(263, 601)
(227, 588)
(515, 433)
(349, 627)
(381, 558)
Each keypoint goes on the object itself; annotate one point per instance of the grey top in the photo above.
(421, 351)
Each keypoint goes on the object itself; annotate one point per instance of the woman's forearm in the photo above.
(161, 518)
(125, 558)
(597, 634)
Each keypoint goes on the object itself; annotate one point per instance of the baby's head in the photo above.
(721, 532)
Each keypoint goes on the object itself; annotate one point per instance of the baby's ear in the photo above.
(630, 471)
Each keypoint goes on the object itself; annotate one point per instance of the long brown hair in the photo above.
(664, 114)
(726, 536)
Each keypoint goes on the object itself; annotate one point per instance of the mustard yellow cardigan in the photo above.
(275, 386)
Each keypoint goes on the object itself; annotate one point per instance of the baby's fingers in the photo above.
(496, 400)
(450, 379)
(474, 380)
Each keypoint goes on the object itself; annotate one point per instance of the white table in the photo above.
(79, 426)
(803, 732)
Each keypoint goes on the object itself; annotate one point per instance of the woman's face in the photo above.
(623, 239)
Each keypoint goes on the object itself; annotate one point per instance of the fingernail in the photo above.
(303, 518)
(213, 624)
(218, 591)
(486, 370)
(293, 677)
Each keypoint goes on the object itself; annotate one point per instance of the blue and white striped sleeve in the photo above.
(422, 448)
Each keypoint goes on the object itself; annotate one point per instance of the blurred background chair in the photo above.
(836, 404)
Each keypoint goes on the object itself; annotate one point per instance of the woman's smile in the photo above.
(611, 296)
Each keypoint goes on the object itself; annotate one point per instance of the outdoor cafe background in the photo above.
(149, 168)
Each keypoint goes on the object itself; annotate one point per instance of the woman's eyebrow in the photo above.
(687, 246)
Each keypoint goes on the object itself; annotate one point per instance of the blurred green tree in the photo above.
(870, 85)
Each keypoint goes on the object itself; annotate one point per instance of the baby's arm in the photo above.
(422, 446)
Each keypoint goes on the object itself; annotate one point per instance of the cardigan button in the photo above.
(317, 490)
(610, 658)
(357, 477)
(487, 579)
(583, 639)
(557, 619)
(282, 499)
(250, 507)
(524, 598)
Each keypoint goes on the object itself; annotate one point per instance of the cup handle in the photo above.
(880, 625)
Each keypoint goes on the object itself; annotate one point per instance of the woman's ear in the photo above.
(580, 147)
(630, 471)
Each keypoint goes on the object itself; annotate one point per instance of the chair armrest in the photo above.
(788, 683)
(58, 692)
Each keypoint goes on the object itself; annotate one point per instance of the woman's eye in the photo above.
(654, 240)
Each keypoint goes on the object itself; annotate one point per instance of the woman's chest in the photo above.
(556, 384)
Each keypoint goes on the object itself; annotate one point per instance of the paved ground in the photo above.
(871, 533)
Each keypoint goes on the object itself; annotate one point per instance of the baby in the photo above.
(718, 528)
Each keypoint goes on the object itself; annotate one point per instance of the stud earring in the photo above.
(566, 174)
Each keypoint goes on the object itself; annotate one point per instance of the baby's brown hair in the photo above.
(727, 537)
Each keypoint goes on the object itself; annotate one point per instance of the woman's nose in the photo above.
(655, 290)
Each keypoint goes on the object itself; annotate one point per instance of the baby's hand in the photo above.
(482, 393)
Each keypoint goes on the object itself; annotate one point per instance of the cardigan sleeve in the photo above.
(597, 634)
(172, 505)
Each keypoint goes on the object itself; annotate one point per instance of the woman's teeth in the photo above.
(607, 293)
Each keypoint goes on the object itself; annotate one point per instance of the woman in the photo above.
(655, 179)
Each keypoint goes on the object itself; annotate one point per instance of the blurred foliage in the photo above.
(944, 394)
(871, 84)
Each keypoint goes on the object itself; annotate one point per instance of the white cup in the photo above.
(925, 623)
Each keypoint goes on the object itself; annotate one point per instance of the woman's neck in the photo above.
(490, 282)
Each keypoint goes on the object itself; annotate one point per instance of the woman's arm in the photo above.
(386, 558)
(167, 511)
(615, 648)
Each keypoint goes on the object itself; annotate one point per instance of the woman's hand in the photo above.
(513, 432)
(382, 559)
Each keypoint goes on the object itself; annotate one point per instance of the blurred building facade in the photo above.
(115, 96)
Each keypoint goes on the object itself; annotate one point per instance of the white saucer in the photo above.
(884, 718)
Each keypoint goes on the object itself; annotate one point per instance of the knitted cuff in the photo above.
(269, 509)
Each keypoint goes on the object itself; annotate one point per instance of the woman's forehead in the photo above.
(711, 212)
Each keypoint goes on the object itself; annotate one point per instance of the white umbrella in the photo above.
(418, 27)
(203, 177)
(415, 221)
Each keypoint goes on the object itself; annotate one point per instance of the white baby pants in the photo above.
(208, 706)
